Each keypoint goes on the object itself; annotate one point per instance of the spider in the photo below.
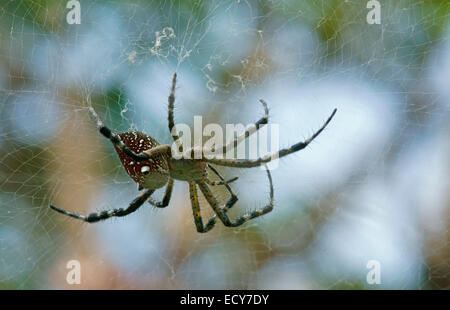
(152, 166)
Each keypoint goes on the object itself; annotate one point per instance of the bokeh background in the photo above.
(374, 186)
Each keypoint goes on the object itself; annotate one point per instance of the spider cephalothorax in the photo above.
(152, 166)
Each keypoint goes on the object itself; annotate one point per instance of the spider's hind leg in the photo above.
(250, 130)
(107, 133)
(166, 199)
(96, 217)
(249, 163)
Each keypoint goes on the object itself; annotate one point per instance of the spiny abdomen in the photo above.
(138, 142)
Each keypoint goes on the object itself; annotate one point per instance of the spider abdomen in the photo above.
(152, 173)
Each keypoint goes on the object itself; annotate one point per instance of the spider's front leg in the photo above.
(96, 217)
(247, 163)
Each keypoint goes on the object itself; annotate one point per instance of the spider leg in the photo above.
(105, 131)
(196, 207)
(214, 183)
(165, 202)
(171, 101)
(221, 211)
(239, 163)
(249, 131)
(233, 198)
(95, 217)
(196, 211)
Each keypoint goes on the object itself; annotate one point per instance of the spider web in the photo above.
(373, 186)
